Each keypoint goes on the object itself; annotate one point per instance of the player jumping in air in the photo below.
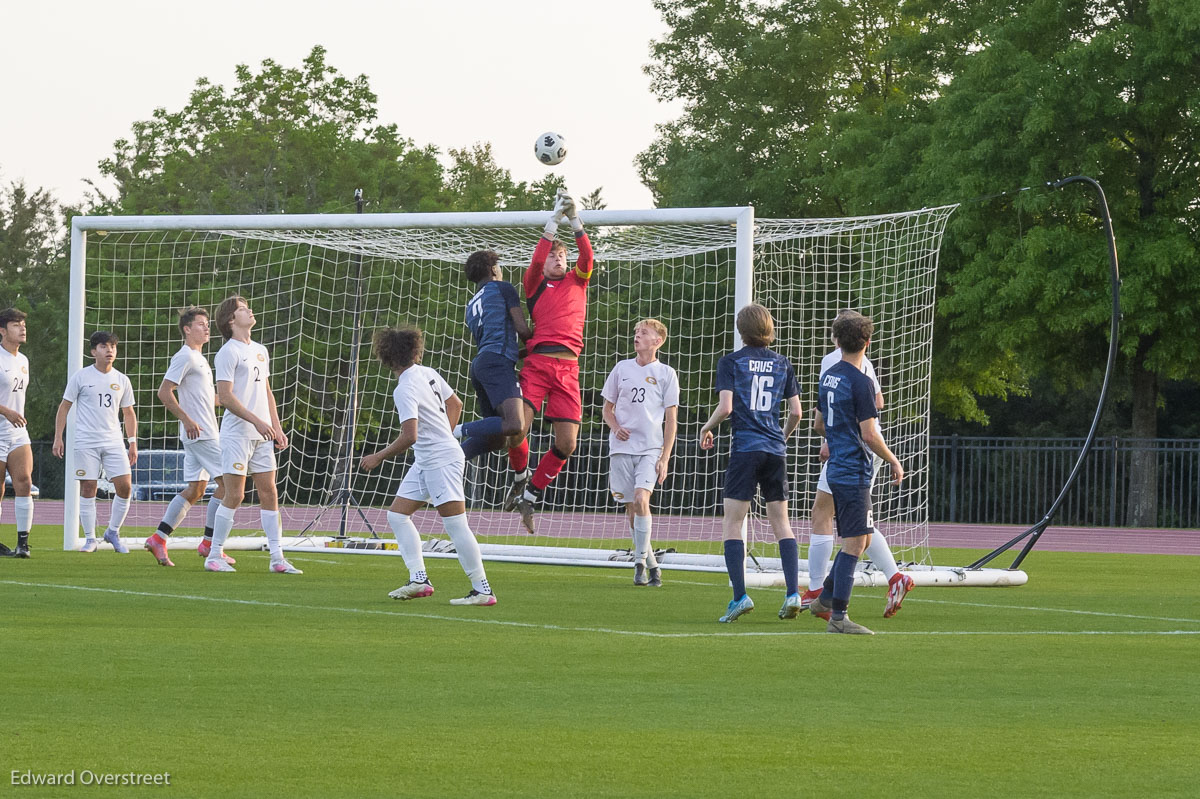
(641, 396)
(751, 383)
(496, 320)
(190, 373)
(428, 410)
(101, 396)
(557, 301)
(16, 450)
(849, 421)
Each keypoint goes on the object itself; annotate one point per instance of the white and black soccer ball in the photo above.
(550, 148)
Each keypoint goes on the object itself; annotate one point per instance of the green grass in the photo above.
(578, 684)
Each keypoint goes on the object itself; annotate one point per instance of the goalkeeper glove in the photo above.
(557, 218)
(572, 212)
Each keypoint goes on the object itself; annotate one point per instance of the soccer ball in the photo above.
(550, 148)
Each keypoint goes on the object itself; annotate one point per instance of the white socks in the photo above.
(176, 511)
(468, 550)
(270, 525)
(881, 554)
(87, 516)
(24, 507)
(409, 541)
(820, 550)
(116, 517)
(221, 529)
(642, 552)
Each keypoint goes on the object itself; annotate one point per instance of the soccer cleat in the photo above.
(475, 598)
(737, 607)
(217, 566)
(525, 508)
(412, 590)
(844, 625)
(791, 607)
(819, 608)
(656, 578)
(898, 586)
(158, 548)
(639, 574)
(5, 552)
(114, 538)
(89, 545)
(515, 492)
(22, 551)
(283, 567)
(807, 598)
(206, 547)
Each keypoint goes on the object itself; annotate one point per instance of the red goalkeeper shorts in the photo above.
(554, 383)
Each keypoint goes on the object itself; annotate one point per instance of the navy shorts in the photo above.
(748, 470)
(495, 380)
(852, 504)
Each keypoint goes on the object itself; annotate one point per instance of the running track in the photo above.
(48, 514)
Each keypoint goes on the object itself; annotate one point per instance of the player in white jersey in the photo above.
(428, 410)
(820, 542)
(641, 408)
(16, 450)
(101, 396)
(190, 373)
(250, 433)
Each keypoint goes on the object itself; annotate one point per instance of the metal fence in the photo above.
(1014, 480)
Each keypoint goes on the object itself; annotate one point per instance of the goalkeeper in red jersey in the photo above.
(556, 296)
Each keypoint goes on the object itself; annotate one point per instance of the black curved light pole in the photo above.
(1035, 532)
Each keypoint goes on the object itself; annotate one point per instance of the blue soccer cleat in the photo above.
(737, 607)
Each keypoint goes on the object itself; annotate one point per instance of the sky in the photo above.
(451, 73)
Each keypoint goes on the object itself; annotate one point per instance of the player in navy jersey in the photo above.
(496, 321)
(849, 421)
(751, 383)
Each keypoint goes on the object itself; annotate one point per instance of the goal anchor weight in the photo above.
(342, 495)
(1035, 532)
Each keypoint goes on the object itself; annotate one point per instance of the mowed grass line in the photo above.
(328, 688)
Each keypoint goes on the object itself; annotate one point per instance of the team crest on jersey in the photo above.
(24, 370)
(115, 386)
(80, 472)
(241, 467)
(618, 496)
(261, 357)
(650, 379)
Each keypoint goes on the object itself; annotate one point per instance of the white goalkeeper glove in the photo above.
(571, 211)
(557, 217)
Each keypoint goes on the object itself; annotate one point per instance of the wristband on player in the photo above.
(576, 225)
(551, 229)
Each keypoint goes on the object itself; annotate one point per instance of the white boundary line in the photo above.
(560, 628)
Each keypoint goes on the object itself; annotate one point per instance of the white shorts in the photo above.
(114, 461)
(627, 473)
(437, 486)
(201, 460)
(247, 456)
(823, 484)
(18, 437)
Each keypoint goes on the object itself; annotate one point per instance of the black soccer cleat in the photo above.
(22, 551)
(5, 552)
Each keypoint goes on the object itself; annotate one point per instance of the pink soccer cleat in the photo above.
(217, 566)
(158, 548)
(206, 547)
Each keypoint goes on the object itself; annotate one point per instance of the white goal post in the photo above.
(319, 284)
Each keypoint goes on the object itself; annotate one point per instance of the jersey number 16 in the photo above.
(760, 393)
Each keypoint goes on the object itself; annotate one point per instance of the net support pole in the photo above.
(743, 295)
(74, 364)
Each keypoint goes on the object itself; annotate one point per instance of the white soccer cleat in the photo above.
(114, 538)
(283, 567)
(412, 590)
(89, 545)
(791, 607)
(216, 565)
(475, 598)
(847, 627)
(898, 587)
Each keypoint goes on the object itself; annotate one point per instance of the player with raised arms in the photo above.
(820, 544)
(16, 449)
(849, 421)
(190, 374)
(751, 384)
(557, 300)
(102, 398)
(250, 433)
(641, 409)
(496, 322)
(428, 409)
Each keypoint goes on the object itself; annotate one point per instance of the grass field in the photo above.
(1083, 683)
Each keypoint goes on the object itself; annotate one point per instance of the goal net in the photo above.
(319, 286)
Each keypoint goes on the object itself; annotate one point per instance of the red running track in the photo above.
(48, 514)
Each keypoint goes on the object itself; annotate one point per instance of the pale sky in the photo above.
(75, 75)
